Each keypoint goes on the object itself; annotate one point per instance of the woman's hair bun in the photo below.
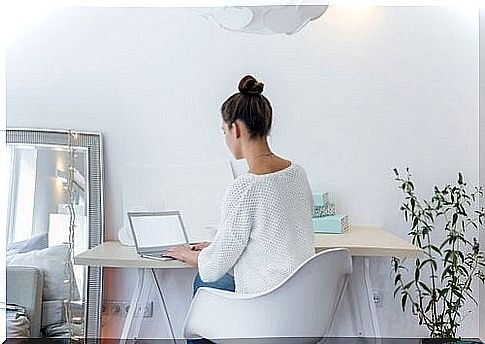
(249, 85)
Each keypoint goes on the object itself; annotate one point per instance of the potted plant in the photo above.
(440, 280)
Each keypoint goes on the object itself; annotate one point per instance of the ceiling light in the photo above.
(287, 19)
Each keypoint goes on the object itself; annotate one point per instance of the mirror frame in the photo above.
(93, 143)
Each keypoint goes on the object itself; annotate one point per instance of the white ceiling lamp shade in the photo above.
(287, 19)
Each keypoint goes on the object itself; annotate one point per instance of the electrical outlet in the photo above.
(110, 307)
(377, 298)
(122, 308)
(143, 309)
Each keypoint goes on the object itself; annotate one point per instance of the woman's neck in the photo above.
(256, 153)
(262, 160)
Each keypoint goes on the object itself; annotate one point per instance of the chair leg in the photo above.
(337, 304)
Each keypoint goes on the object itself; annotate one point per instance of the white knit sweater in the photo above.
(265, 230)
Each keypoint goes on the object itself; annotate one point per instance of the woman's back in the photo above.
(266, 220)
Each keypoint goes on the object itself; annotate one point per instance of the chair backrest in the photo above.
(304, 304)
(300, 309)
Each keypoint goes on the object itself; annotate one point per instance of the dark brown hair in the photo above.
(249, 106)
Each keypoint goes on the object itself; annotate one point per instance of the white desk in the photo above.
(362, 241)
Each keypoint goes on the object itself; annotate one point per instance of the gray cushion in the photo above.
(50, 262)
(37, 242)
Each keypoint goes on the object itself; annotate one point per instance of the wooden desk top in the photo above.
(115, 255)
(371, 241)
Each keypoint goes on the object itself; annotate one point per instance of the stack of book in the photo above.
(325, 218)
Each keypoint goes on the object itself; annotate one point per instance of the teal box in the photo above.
(320, 198)
(331, 224)
(324, 210)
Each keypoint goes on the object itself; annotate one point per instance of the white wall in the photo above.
(356, 93)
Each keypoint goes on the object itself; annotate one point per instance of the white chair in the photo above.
(298, 310)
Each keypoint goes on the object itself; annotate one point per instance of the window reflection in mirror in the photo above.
(38, 198)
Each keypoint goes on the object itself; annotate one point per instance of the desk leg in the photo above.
(144, 296)
(354, 304)
(141, 294)
(165, 308)
(133, 304)
(372, 306)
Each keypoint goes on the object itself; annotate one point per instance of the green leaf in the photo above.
(446, 271)
(457, 293)
(409, 185)
(419, 241)
(448, 255)
(428, 261)
(471, 297)
(455, 218)
(396, 290)
(428, 215)
(416, 274)
(463, 239)
(428, 306)
(424, 286)
(460, 255)
(436, 249)
(403, 302)
(443, 292)
(461, 210)
(415, 222)
(463, 270)
(443, 244)
(460, 179)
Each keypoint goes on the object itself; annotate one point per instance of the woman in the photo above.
(265, 231)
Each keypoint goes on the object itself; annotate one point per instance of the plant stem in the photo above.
(433, 276)
(427, 321)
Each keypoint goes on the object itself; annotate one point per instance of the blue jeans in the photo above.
(225, 283)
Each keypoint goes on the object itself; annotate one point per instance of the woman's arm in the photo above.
(231, 239)
(184, 254)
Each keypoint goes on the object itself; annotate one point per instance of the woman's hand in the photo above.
(184, 254)
(201, 245)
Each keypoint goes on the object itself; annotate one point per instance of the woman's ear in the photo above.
(237, 127)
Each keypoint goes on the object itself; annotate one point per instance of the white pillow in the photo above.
(51, 262)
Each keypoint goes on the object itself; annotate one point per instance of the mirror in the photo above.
(49, 209)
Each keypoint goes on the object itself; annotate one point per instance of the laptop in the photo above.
(155, 232)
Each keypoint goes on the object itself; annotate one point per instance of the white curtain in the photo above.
(21, 176)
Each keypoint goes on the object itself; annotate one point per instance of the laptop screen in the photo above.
(153, 230)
